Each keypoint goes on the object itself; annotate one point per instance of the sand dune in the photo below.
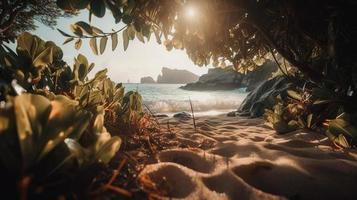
(236, 158)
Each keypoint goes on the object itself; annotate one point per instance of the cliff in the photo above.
(176, 76)
(147, 79)
(229, 79)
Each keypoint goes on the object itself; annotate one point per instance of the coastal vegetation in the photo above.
(59, 129)
(314, 49)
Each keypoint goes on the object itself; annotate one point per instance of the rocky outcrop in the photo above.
(263, 96)
(217, 79)
(182, 115)
(262, 73)
(228, 78)
(147, 79)
(176, 76)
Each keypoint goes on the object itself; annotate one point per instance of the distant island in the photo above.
(229, 79)
(147, 79)
(172, 76)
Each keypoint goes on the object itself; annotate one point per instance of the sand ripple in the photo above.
(235, 158)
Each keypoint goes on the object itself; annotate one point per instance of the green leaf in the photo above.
(125, 39)
(140, 37)
(157, 35)
(342, 126)
(98, 8)
(85, 27)
(131, 32)
(76, 30)
(114, 38)
(108, 150)
(68, 40)
(76, 149)
(31, 112)
(93, 45)
(72, 5)
(97, 30)
(44, 58)
(309, 120)
(103, 44)
(293, 94)
(339, 140)
(78, 44)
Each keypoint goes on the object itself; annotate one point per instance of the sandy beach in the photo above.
(239, 158)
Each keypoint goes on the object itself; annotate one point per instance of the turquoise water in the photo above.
(169, 98)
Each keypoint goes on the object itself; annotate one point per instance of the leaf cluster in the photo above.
(56, 131)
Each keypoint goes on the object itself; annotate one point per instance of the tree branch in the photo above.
(18, 6)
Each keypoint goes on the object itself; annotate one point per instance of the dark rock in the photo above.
(161, 115)
(217, 79)
(147, 79)
(252, 79)
(263, 96)
(183, 115)
(176, 76)
(232, 114)
(229, 79)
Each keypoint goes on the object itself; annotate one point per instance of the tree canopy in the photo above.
(17, 16)
(317, 37)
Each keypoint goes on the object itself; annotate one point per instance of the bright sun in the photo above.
(191, 12)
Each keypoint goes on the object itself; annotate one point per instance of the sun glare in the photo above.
(191, 12)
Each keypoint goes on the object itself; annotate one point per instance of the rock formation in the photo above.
(176, 76)
(147, 79)
(228, 78)
(263, 96)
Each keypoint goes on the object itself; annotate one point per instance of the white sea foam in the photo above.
(169, 98)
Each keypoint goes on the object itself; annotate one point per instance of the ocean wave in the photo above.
(170, 106)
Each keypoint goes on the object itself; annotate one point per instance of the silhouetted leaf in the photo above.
(97, 7)
(103, 44)
(114, 38)
(125, 39)
(63, 33)
(68, 40)
(85, 27)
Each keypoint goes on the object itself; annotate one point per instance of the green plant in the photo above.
(318, 109)
(35, 65)
(62, 119)
(39, 143)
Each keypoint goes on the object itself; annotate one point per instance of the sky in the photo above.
(137, 61)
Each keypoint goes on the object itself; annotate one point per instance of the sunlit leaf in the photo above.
(140, 37)
(293, 94)
(93, 45)
(44, 58)
(78, 44)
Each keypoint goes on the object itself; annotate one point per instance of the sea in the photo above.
(169, 99)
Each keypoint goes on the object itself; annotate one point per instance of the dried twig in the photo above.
(193, 115)
(109, 186)
(119, 190)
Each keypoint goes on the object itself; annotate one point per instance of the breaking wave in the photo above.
(169, 98)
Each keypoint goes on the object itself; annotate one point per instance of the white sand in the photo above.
(237, 158)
